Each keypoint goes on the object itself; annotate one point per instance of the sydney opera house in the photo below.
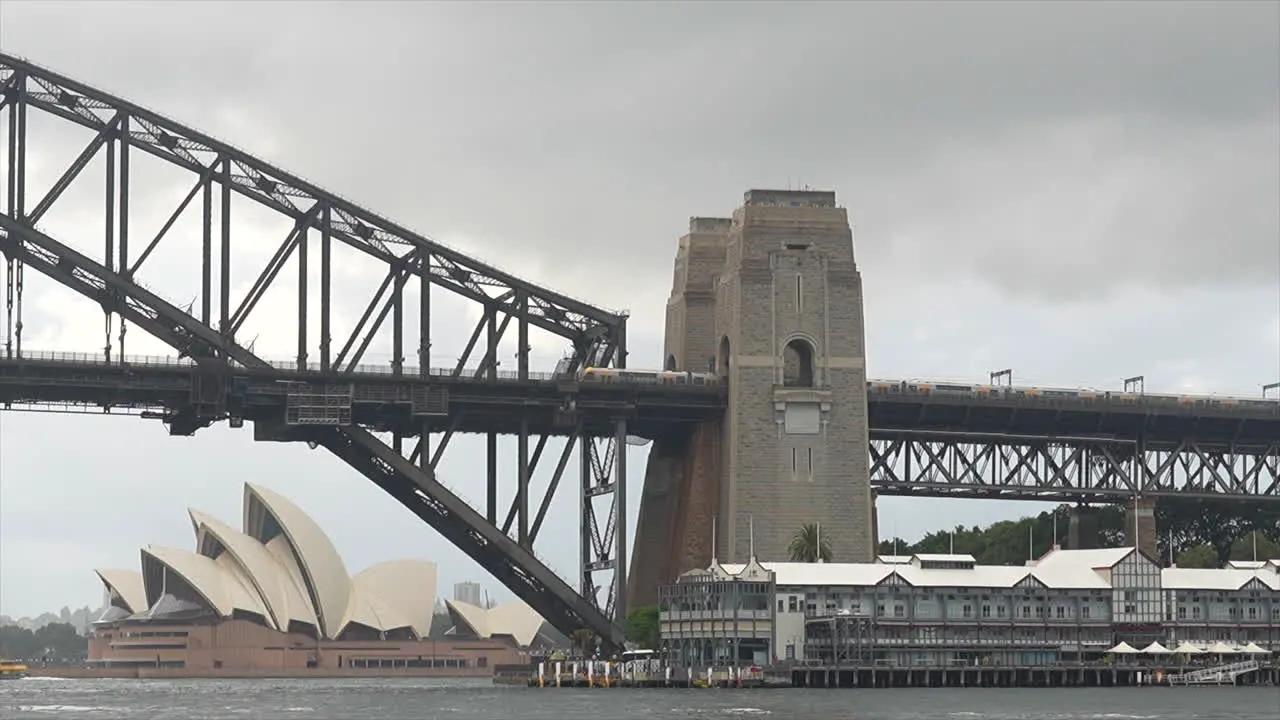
(276, 597)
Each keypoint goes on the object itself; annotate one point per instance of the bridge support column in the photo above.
(604, 537)
(875, 524)
(620, 522)
(1082, 532)
(774, 295)
(1140, 525)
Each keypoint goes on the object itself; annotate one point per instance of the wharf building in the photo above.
(275, 599)
(946, 610)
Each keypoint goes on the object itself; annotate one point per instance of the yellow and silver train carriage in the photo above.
(916, 387)
(651, 377)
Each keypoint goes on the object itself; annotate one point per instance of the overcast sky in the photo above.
(1080, 192)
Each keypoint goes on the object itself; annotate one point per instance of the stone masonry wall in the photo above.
(777, 481)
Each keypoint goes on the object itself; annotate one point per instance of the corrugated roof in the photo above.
(894, 559)
(1058, 569)
(1099, 558)
(943, 557)
(1215, 579)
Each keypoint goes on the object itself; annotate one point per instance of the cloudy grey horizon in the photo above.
(1079, 192)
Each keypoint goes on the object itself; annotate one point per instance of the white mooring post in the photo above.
(542, 674)
(559, 670)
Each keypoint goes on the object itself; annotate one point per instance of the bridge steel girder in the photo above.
(929, 463)
(415, 486)
(597, 337)
(923, 462)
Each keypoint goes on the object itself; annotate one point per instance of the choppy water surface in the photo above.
(407, 699)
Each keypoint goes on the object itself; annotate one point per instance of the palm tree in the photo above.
(808, 545)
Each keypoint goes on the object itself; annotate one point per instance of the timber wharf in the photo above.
(1056, 675)
(607, 675)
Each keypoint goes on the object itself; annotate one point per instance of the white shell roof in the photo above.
(127, 584)
(219, 583)
(514, 618)
(367, 608)
(271, 580)
(409, 586)
(285, 600)
(317, 558)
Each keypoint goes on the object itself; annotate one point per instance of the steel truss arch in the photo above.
(414, 485)
(207, 334)
(598, 335)
(963, 465)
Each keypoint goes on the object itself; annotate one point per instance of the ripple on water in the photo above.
(410, 699)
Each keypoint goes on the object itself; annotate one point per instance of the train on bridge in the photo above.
(952, 390)
(1008, 392)
(658, 377)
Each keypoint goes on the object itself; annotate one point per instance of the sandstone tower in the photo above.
(770, 299)
(783, 323)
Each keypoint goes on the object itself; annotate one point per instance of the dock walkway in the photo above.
(607, 675)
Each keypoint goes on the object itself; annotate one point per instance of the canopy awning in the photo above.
(1254, 649)
(1124, 648)
(1155, 648)
(1221, 648)
(1187, 648)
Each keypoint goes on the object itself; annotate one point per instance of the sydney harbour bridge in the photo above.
(393, 422)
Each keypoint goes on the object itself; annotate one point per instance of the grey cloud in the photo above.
(646, 114)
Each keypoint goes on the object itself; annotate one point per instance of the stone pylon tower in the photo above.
(772, 300)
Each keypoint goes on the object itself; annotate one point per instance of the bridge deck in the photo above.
(380, 399)
(484, 403)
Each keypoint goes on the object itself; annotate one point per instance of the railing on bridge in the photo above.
(285, 365)
(878, 390)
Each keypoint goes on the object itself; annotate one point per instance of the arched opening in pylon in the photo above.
(797, 364)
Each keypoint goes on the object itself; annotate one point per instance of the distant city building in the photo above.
(935, 610)
(276, 596)
(468, 592)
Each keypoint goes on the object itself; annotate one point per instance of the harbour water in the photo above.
(412, 699)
